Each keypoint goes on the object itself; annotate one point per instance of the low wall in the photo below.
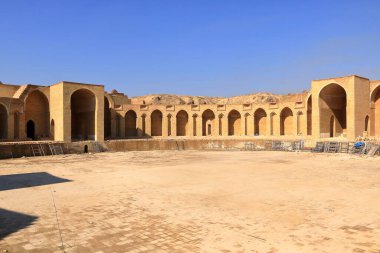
(21, 149)
(186, 144)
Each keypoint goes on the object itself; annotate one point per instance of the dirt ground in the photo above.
(191, 201)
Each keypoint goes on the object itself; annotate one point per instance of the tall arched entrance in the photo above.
(260, 120)
(286, 121)
(107, 118)
(234, 123)
(156, 123)
(3, 122)
(37, 110)
(83, 106)
(130, 124)
(182, 123)
(208, 118)
(332, 104)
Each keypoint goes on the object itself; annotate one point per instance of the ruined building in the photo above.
(344, 107)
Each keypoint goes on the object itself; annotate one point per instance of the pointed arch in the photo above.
(208, 118)
(130, 123)
(156, 123)
(286, 121)
(234, 123)
(333, 102)
(260, 119)
(37, 110)
(182, 119)
(83, 104)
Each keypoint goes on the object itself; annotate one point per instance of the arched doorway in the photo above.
(83, 105)
(309, 116)
(107, 118)
(332, 103)
(52, 133)
(37, 110)
(367, 125)
(156, 123)
(299, 123)
(182, 122)
(130, 124)
(234, 123)
(260, 122)
(208, 117)
(3, 122)
(30, 130)
(286, 121)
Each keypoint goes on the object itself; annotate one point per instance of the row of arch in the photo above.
(236, 123)
(39, 125)
(332, 101)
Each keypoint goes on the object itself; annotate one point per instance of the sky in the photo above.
(205, 47)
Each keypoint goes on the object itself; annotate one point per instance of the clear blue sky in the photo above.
(218, 48)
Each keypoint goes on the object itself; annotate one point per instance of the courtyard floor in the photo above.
(190, 201)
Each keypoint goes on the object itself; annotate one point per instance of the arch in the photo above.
(83, 105)
(156, 123)
(286, 121)
(130, 123)
(182, 123)
(272, 120)
(208, 117)
(375, 99)
(234, 123)
(299, 123)
(52, 129)
(85, 149)
(16, 125)
(260, 119)
(107, 118)
(3, 122)
(37, 110)
(309, 116)
(367, 125)
(30, 130)
(332, 102)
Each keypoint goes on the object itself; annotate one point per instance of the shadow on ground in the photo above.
(17, 181)
(11, 222)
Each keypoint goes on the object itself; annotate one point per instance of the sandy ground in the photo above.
(191, 201)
